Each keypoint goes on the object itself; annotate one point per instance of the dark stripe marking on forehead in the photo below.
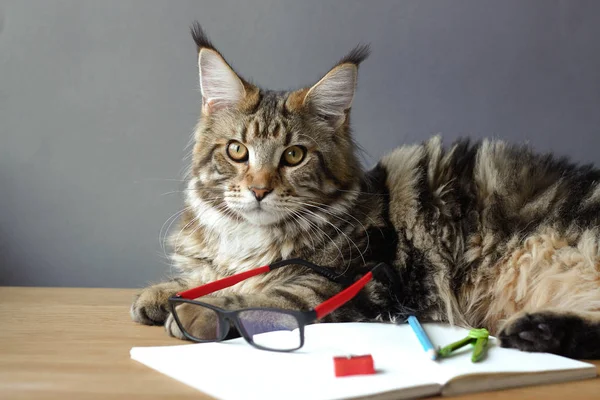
(268, 118)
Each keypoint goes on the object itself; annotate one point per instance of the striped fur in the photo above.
(479, 234)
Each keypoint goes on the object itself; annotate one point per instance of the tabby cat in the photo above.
(479, 234)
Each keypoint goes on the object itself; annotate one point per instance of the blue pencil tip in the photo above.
(432, 354)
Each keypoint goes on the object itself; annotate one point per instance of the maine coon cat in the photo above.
(480, 234)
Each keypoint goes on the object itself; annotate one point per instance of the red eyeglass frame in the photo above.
(303, 317)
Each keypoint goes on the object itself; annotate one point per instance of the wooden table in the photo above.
(74, 344)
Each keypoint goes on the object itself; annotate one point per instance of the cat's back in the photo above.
(466, 187)
(427, 183)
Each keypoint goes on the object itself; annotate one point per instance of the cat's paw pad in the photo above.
(149, 307)
(199, 322)
(539, 332)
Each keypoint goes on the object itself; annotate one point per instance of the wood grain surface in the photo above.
(72, 343)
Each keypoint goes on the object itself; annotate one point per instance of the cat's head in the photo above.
(273, 156)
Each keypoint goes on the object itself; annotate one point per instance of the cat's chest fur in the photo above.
(235, 245)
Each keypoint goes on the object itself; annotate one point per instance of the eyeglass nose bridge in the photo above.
(225, 322)
(229, 320)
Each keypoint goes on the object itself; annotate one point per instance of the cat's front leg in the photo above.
(202, 323)
(151, 305)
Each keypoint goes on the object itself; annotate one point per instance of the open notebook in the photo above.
(235, 370)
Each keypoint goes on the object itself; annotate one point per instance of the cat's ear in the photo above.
(221, 87)
(332, 96)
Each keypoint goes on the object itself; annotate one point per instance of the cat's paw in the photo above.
(199, 322)
(151, 306)
(537, 332)
(173, 329)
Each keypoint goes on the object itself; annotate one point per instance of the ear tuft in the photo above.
(357, 55)
(200, 37)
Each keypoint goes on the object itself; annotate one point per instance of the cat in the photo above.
(485, 234)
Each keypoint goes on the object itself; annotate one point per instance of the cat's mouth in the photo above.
(261, 215)
(257, 213)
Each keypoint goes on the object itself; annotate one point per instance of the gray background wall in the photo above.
(98, 100)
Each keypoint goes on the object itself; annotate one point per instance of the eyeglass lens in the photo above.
(200, 322)
(271, 329)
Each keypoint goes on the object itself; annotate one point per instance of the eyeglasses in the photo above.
(271, 329)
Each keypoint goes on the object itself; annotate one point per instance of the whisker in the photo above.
(325, 206)
(169, 221)
(361, 192)
(183, 229)
(162, 238)
(209, 232)
(296, 217)
(159, 180)
(314, 225)
(354, 210)
(314, 141)
(348, 239)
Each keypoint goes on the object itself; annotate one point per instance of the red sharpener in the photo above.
(353, 365)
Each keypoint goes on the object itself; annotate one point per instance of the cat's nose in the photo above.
(259, 193)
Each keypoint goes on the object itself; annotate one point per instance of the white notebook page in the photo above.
(235, 370)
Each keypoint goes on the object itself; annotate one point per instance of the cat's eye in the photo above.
(237, 151)
(293, 155)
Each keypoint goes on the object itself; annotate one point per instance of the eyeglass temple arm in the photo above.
(237, 278)
(222, 283)
(326, 272)
(335, 302)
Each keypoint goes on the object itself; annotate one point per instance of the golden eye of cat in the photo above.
(237, 151)
(293, 155)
